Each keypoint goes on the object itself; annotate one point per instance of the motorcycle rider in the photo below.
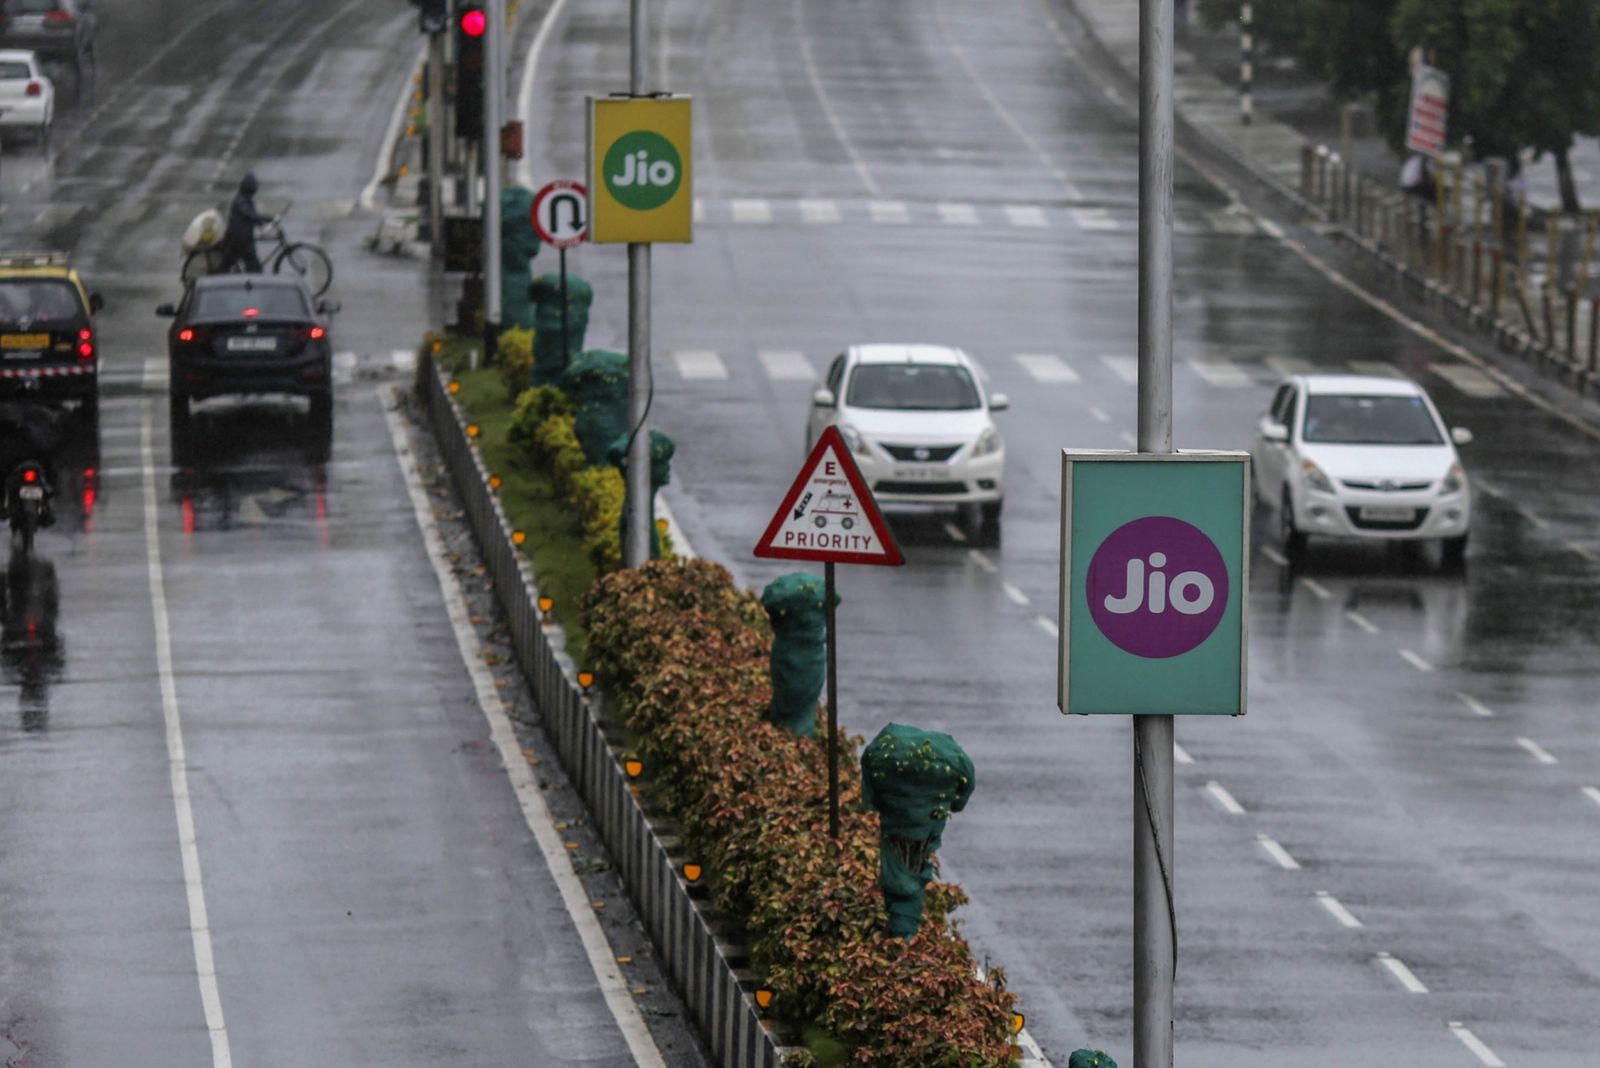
(239, 239)
(28, 432)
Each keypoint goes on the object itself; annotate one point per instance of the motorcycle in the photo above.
(27, 502)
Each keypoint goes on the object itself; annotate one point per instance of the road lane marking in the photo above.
(787, 365)
(827, 107)
(156, 372)
(344, 366)
(1537, 751)
(1026, 215)
(700, 364)
(983, 561)
(1221, 374)
(955, 532)
(751, 211)
(1468, 379)
(1100, 414)
(1047, 367)
(1275, 556)
(819, 212)
(1124, 367)
(1280, 856)
(403, 359)
(1398, 969)
(699, 210)
(1364, 623)
(1415, 661)
(1583, 551)
(1181, 755)
(178, 761)
(1127, 436)
(1016, 595)
(1531, 516)
(1336, 910)
(889, 212)
(1048, 626)
(1222, 797)
(1477, 706)
(1484, 1054)
(1316, 587)
(958, 215)
(1377, 368)
(1093, 219)
(391, 133)
(1592, 793)
(535, 813)
(1290, 365)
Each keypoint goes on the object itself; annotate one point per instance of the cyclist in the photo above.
(239, 239)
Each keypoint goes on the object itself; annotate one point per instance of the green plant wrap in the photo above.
(519, 244)
(797, 605)
(914, 779)
(661, 450)
(1090, 1058)
(548, 359)
(597, 384)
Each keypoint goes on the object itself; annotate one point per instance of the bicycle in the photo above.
(302, 258)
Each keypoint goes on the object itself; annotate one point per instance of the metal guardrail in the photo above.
(709, 972)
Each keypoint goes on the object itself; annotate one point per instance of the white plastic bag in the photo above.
(204, 230)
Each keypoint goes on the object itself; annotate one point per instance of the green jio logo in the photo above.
(642, 170)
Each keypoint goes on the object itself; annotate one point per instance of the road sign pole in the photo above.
(636, 506)
(1154, 911)
(493, 116)
(566, 349)
(833, 703)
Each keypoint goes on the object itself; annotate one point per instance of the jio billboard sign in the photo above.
(1154, 575)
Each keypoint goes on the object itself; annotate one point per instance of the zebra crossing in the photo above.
(1059, 369)
(152, 376)
(812, 211)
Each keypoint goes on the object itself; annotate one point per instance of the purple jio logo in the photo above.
(1157, 587)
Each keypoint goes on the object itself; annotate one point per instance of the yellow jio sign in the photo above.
(640, 187)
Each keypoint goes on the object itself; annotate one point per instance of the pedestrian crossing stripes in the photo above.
(1225, 375)
(1094, 219)
(814, 211)
(751, 211)
(1468, 379)
(891, 212)
(1047, 367)
(787, 365)
(819, 211)
(700, 364)
(1026, 215)
(1124, 367)
(958, 214)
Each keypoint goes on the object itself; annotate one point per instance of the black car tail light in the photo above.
(85, 344)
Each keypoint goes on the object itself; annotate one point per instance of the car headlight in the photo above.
(1454, 482)
(853, 439)
(1315, 479)
(988, 442)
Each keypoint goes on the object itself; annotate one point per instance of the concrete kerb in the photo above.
(710, 974)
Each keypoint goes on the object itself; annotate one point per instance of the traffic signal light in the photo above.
(471, 25)
(433, 16)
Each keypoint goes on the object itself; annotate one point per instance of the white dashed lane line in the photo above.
(1280, 856)
(1362, 621)
(1398, 969)
(1533, 517)
(1337, 910)
(1222, 797)
(1100, 415)
(1316, 587)
(1537, 751)
(1181, 755)
(955, 532)
(1477, 706)
(1415, 661)
(1016, 595)
(983, 561)
(1275, 556)
(1048, 626)
(1592, 793)
(1484, 1054)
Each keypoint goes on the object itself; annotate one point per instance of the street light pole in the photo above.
(493, 119)
(1154, 913)
(636, 507)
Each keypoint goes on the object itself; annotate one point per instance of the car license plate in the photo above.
(18, 343)
(915, 473)
(252, 344)
(31, 493)
(1388, 515)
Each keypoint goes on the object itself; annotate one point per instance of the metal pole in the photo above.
(566, 347)
(1154, 915)
(636, 507)
(436, 148)
(493, 119)
(1247, 44)
(833, 704)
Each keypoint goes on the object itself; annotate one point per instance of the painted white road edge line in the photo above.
(1407, 977)
(1337, 910)
(1279, 855)
(1537, 751)
(534, 811)
(1477, 706)
(1415, 661)
(1222, 797)
(530, 70)
(380, 167)
(178, 762)
(1475, 1044)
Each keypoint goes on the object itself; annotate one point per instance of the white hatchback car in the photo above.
(1351, 456)
(27, 97)
(918, 426)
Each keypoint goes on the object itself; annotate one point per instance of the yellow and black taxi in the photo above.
(48, 347)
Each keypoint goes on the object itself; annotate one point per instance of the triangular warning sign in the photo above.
(829, 514)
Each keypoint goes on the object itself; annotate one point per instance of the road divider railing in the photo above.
(710, 972)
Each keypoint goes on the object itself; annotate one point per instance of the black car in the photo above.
(54, 29)
(249, 333)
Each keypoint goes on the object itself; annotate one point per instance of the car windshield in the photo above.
(912, 387)
(39, 300)
(14, 71)
(255, 302)
(1355, 419)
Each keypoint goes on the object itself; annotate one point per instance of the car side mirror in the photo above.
(1461, 435)
(328, 307)
(999, 402)
(823, 398)
(166, 310)
(96, 302)
(1274, 432)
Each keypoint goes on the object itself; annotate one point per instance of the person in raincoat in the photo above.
(239, 239)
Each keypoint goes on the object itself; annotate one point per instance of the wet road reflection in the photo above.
(32, 652)
(251, 466)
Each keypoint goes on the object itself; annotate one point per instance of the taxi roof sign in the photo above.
(829, 514)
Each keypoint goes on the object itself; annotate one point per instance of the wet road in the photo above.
(234, 722)
(1392, 858)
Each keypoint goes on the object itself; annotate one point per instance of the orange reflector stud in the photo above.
(661, 525)
(494, 481)
(437, 346)
(518, 537)
(1016, 1023)
(586, 679)
(634, 768)
(472, 430)
(545, 604)
(763, 997)
(454, 387)
(691, 872)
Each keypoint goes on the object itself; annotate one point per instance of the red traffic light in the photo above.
(474, 22)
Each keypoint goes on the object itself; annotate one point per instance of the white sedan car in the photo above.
(917, 424)
(1350, 456)
(27, 97)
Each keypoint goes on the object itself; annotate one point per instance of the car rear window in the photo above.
(912, 387)
(257, 302)
(12, 71)
(1365, 419)
(39, 300)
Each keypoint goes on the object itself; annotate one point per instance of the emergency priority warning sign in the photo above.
(829, 514)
